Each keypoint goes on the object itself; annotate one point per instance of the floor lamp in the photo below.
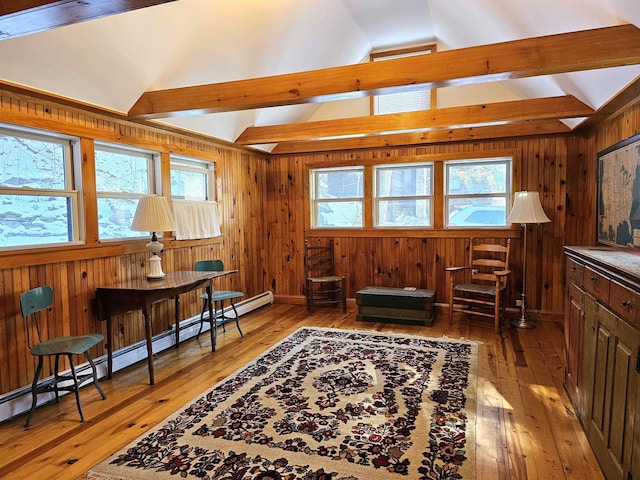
(526, 210)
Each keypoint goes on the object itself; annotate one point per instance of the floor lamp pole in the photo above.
(523, 322)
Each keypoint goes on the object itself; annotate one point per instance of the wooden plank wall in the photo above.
(421, 261)
(262, 201)
(74, 273)
(561, 168)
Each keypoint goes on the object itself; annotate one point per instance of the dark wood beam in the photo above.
(521, 129)
(553, 54)
(513, 111)
(21, 17)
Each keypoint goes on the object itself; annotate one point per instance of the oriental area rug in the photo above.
(323, 404)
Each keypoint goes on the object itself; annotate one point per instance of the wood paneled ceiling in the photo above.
(541, 57)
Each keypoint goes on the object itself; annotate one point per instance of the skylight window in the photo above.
(401, 102)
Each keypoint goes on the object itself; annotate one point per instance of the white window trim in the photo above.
(484, 161)
(195, 165)
(72, 187)
(153, 178)
(315, 200)
(377, 198)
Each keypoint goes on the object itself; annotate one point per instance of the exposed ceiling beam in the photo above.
(521, 129)
(567, 52)
(21, 17)
(513, 111)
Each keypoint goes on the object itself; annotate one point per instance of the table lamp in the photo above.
(526, 209)
(153, 214)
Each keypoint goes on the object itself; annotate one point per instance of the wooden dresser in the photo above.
(602, 355)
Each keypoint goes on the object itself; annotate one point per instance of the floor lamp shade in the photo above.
(526, 209)
(153, 214)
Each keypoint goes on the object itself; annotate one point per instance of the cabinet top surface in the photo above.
(623, 262)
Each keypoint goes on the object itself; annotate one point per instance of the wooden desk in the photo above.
(141, 294)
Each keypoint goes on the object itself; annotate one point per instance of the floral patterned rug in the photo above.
(323, 404)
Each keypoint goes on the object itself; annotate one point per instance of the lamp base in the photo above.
(155, 268)
(522, 323)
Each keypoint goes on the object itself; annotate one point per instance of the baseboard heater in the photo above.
(18, 401)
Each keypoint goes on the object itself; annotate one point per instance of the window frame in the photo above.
(189, 164)
(507, 194)
(399, 53)
(437, 230)
(314, 200)
(377, 197)
(72, 184)
(154, 183)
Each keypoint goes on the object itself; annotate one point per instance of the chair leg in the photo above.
(76, 390)
(34, 392)
(344, 296)
(233, 306)
(451, 300)
(224, 328)
(496, 313)
(95, 374)
(310, 297)
(204, 309)
(55, 373)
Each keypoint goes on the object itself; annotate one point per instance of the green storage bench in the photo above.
(396, 305)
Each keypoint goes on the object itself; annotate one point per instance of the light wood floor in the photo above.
(526, 427)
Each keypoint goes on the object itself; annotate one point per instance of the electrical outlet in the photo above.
(518, 303)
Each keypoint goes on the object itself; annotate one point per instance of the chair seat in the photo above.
(219, 295)
(476, 288)
(331, 278)
(65, 345)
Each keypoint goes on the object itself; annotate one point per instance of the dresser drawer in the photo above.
(626, 303)
(575, 272)
(597, 285)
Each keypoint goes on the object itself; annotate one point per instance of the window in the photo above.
(337, 197)
(122, 177)
(39, 197)
(477, 192)
(409, 101)
(192, 179)
(403, 195)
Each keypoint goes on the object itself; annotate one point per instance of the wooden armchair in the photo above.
(479, 287)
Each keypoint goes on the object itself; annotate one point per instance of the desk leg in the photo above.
(177, 319)
(146, 313)
(212, 318)
(109, 348)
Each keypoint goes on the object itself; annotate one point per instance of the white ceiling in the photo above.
(110, 62)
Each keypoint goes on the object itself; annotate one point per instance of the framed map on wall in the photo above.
(619, 194)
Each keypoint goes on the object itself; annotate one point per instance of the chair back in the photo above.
(486, 259)
(31, 302)
(209, 266)
(36, 299)
(318, 260)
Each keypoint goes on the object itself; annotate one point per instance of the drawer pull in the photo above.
(626, 304)
(574, 268)
(593, 278)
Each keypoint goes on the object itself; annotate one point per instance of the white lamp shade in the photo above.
(527, 209)
(153, 215)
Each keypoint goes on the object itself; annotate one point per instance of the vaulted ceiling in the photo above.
(294, 76)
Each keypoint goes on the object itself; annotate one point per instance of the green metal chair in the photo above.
(31, 303)
(217, 297)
